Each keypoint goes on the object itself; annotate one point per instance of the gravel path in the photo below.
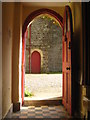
(44, 86)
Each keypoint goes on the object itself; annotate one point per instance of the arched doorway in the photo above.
(67, 99)
(35, 62)
(24, 34)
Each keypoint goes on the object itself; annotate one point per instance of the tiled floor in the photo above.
(41, 112)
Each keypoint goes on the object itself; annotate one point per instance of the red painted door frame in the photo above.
(67, 94)
(35, 62)
(29, 46)
(67, 68)
(27, 21)
(23, 66)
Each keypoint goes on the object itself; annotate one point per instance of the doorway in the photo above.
(44, 37)
(66, 50)
(35, 62)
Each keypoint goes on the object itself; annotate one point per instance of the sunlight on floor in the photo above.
(43, 86)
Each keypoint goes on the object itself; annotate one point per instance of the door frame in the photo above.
(31, 16)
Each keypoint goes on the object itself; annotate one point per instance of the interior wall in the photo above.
(79, 52)
(15, 53)
(20, 56)
(77, 57)
(86, 40)
(7, 37)
(0, 61)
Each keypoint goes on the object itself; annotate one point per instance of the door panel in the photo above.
(35, 62)
(67, 80)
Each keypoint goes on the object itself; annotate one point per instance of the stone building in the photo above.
(46, 38)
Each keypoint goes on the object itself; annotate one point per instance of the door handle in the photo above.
(67, 68)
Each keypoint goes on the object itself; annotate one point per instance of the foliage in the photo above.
(54, 72)
(28, 94)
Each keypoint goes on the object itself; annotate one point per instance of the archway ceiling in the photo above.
(44, 4)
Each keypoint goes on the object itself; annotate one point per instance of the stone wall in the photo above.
(46, 36)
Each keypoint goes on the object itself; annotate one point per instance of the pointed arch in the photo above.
(36, 13)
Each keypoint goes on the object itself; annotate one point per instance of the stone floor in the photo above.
(44, 86)
(41, 112)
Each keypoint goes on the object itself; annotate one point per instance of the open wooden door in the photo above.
(67, 68)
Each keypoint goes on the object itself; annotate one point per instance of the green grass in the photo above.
(52, 72)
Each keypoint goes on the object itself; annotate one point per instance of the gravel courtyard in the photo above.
(44, 86)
